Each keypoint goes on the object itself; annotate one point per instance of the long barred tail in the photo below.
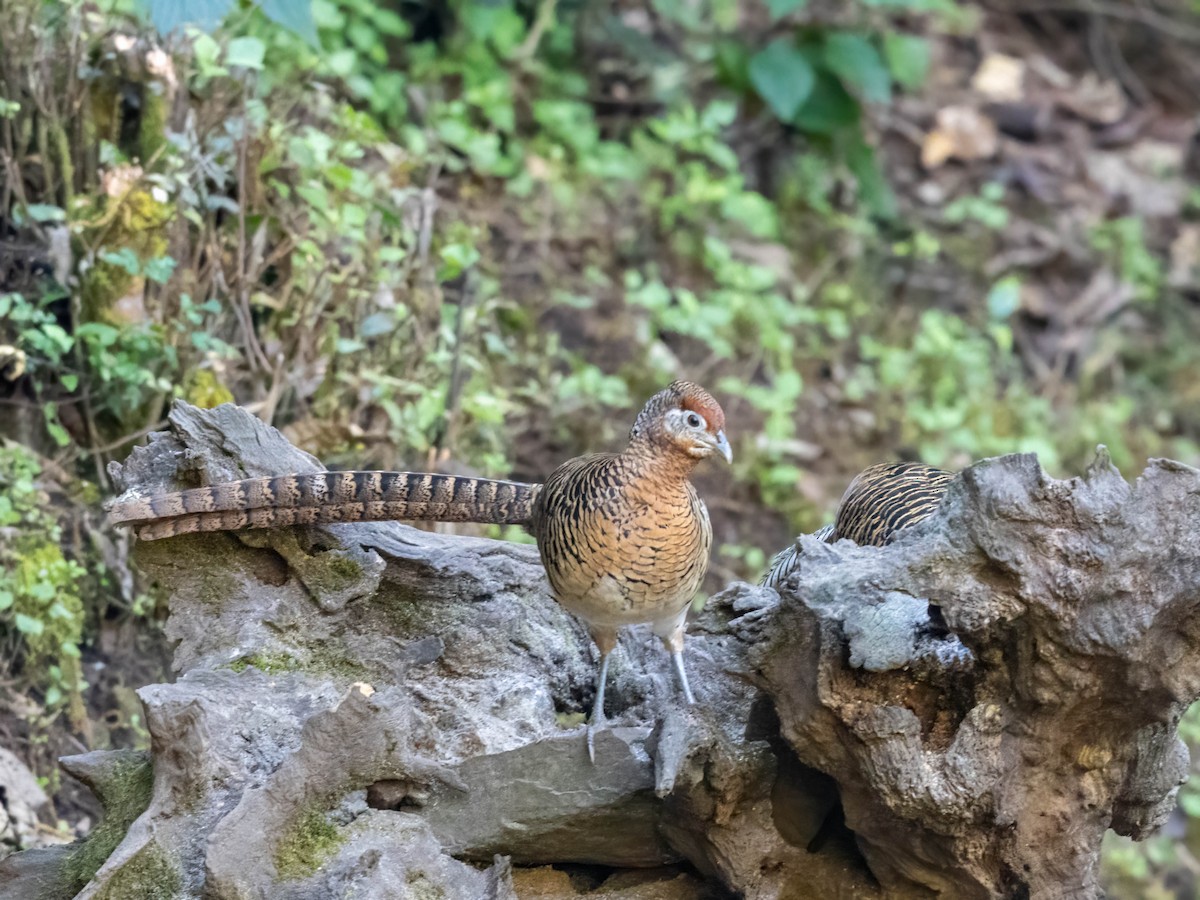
(327, 497)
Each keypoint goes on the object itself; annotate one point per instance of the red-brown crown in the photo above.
(684, 395)
(696, 399)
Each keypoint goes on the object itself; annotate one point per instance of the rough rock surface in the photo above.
(377, 711)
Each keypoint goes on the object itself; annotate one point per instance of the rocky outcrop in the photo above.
(377, 711)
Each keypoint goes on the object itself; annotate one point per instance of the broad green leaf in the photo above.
(780, 8)
(294, 15)
(29, 625)
(53, 695)
(246, 52)
(829, 108)
(6, 600)
(783, 77)
(907, 58)
(855, 60)
(167, 15)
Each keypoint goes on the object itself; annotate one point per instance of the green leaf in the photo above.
(159, 270)
(6, 600)
(60, 435)
(377, 324)
(124, 258)
(872, 185)
(53, 695)
(42, 591)
(830, 107)
(207, 54)
(45, 212)
(732, 61)
(856, 62)
(783, 77)
(456, 258)
(69, 381)
(29, 625)
(1004, 298)
(246, 52)
(167, 15)
(780, 8)
(294, 15)
(908, 58)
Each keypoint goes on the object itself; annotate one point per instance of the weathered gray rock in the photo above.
(376, 711)
(996, 773)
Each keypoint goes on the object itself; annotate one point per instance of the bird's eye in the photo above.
(693, 420)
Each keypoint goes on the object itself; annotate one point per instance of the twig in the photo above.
(454, 389)
(541, 22)
(1174, 28)
(242, 294)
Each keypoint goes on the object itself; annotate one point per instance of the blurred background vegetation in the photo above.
(474, 235)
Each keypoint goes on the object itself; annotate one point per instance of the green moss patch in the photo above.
(125, 796)
(310, 841)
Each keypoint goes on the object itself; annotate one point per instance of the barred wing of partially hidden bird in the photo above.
(327, 497)
(880, 502)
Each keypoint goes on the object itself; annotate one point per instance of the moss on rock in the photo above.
(310, 841)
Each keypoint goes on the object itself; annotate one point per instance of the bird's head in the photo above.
(685, 419)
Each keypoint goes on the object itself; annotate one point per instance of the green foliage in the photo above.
(818, 78)
(1123, 244)
(987, 208)
(959, 391)
(122, 367)
(41, 611)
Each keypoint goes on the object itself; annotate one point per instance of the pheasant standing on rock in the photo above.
(624, 537)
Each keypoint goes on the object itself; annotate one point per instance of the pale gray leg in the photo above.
(597, 720)
(677, 658)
